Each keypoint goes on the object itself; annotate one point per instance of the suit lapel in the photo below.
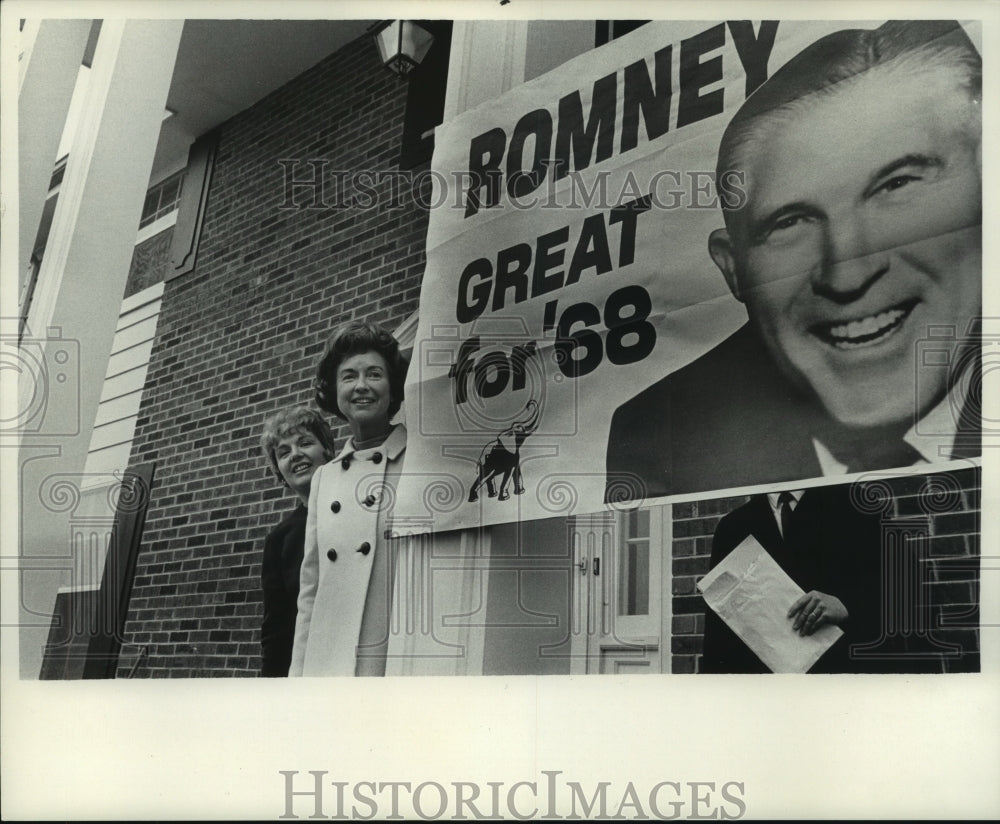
(968, 435)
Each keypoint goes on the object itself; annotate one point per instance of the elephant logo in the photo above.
(501, 457)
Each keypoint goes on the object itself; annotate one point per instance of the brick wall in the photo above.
(944, 506)
(239, 337)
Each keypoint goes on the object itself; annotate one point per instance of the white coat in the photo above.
(350, 500)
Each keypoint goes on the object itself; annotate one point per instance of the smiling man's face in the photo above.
(861, 231)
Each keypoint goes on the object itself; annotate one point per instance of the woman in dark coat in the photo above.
(296, 442)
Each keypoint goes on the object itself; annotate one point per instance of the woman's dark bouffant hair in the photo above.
(356, 338)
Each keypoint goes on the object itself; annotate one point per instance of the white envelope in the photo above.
(752, 594)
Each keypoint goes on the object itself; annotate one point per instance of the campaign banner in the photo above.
(596, 330)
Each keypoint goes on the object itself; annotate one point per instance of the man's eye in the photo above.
(896, 182)
(784, 223)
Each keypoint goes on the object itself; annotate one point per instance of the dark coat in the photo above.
(279, 578)
(731, 419)
(728, 419)
(837, 550)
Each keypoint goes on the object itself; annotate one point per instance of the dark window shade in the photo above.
(608, 30)
(425, 97)
(191, 206)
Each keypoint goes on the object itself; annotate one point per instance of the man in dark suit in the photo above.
(833, 549)
(857, 241)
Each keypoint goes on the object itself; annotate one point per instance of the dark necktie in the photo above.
(785, 501)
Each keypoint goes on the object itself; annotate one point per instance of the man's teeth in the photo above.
(866, 329)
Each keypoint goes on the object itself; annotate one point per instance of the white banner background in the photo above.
(692, 310)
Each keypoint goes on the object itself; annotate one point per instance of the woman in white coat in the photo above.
(345, 587)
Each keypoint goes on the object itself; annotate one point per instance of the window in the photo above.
(633, 564)
(58, 173)
(28, 283)
(162, 199)
(608, 30)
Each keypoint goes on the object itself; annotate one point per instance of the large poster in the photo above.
(701, 257)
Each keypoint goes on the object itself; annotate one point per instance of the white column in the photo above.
(438, 624)
(72, 320)
(48, 72)
(487, 58)
(551, 43)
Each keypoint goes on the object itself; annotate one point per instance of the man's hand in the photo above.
(814, 609)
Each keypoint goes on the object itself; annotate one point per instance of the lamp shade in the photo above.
(402, 44)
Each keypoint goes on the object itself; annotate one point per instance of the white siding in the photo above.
(121, 394)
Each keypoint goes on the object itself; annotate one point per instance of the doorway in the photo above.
(621, 594)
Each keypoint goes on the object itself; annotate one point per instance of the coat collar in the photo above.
(392, 446)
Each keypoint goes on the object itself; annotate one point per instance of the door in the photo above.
(621, 599)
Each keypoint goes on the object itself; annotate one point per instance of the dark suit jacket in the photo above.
(728, 419)
(279, 579)
(838, 551)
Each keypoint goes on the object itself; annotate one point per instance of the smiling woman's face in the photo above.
(363, 394)
(861, 236)
(298, 455)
